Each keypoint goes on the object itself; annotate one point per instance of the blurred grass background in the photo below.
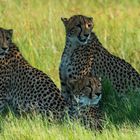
(40, 35)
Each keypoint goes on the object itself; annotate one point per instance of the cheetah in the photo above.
(24, 87)
(28, 89)
(84, 56)
(87, 93)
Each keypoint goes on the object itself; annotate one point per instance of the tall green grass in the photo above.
(40, 35)
(13, 128)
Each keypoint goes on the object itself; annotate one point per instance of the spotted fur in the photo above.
(89, 58)
(24, 87)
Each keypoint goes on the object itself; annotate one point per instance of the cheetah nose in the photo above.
(86, 35)
(4, 49)
(98, 94)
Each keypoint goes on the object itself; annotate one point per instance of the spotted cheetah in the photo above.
(28, 89)
(87, 93)
(24, 87)
(84, 56)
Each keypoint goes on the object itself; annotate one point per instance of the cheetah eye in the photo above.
(7, 38)
(89, 25)
(71, 32)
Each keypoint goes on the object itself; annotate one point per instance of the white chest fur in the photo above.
(66, 61)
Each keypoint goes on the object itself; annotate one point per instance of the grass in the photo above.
(40, 35)
(13, 128)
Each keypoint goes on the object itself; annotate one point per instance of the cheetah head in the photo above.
(78, 28)
(5, 40)
(90, 92)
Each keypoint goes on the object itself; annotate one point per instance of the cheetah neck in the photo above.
(71, 46)
(72, 42)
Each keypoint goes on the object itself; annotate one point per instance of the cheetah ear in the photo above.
(10, 32)
(64, 20)
(91, 18)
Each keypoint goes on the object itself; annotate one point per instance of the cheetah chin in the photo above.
(85, 101)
